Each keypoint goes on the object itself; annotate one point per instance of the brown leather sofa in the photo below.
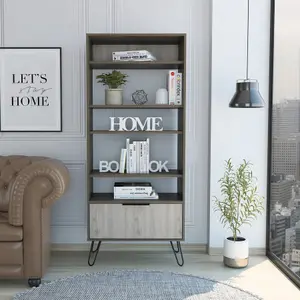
(28, 188)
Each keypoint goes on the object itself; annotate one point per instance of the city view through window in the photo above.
(285, 153)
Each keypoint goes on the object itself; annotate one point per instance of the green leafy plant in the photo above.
(113, 80)
(240, 203)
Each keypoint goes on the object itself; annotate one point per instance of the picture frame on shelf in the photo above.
(30, 89)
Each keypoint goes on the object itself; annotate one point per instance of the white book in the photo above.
(138, 147)
(133, 157)
(172, 86)
(153, 195)
(131, 52)
(147, 155)
(122, 161)
(141, 157)
(178, 99)
(127, 155)
(132, 190)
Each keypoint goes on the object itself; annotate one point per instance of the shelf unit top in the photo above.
(135, 39)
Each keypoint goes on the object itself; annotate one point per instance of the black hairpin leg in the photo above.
(93, 253)
(176, 251)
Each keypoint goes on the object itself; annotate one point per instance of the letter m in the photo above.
(141, 125)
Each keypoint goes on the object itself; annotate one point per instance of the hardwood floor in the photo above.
(260, 277)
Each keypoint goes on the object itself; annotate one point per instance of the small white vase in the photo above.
(236, 253)
(113, 96)
(161, 96)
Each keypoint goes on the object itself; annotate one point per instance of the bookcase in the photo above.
(112, 219)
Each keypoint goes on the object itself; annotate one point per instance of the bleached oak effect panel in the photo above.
(153, 221)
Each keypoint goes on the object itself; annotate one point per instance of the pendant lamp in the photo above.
(247, 93)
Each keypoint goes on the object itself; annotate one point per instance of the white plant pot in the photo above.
(236, 253)
(113, 96)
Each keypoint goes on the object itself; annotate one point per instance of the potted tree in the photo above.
(240, 204)
(114, 81)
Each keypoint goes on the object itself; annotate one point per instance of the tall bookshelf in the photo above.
(135, 219)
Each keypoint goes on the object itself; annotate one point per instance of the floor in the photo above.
(260, 277)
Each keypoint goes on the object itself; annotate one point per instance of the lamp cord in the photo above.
(248, 31)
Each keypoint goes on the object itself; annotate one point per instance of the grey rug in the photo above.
(137, 285)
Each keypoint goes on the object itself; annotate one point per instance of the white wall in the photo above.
(64, 23)
(238, 133)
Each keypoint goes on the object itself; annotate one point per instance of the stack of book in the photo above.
(134, 190)
(135, 157)
(133, 55)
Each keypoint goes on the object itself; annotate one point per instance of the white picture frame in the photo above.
(30, 89)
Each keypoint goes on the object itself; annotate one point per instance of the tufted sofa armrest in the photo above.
(54, 171)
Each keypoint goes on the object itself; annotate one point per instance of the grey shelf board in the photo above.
(131, 106)
(177, 64)
(136, 132)
(108, 198)
(171, 173)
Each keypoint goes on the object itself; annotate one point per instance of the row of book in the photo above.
(134, 190)
(135, 157)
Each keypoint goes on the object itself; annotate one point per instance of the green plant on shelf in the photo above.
(113, 80)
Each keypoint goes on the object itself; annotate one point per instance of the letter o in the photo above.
(157, 166)
(110, 166)
(23, 102)
(133, 125)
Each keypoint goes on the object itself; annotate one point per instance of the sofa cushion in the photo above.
(9, 233)
(11, 253)
(10, 166)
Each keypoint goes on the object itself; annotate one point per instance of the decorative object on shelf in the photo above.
(133, 55)
(31, 89)
(139, 97)
(161, 96)
(247, 94)
(114, 81)
(114, 167)
(150, 124)
(240, 205)
(134, 158)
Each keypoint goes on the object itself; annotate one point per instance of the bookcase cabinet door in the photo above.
(123, 221)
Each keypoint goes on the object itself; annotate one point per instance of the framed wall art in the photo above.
(30, 89)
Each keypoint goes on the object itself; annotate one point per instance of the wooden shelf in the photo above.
(136, 132)
(136, 38)
(171, 173)
(98, 198)
(131, 106)
(136, 219)
(177, 64)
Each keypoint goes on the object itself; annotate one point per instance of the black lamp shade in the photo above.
(247, 95)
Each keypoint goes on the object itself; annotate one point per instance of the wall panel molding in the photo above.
(71, 209)
(2, 9)
(73, 56)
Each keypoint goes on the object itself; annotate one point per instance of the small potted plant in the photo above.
(114, 81)
(239, 205)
